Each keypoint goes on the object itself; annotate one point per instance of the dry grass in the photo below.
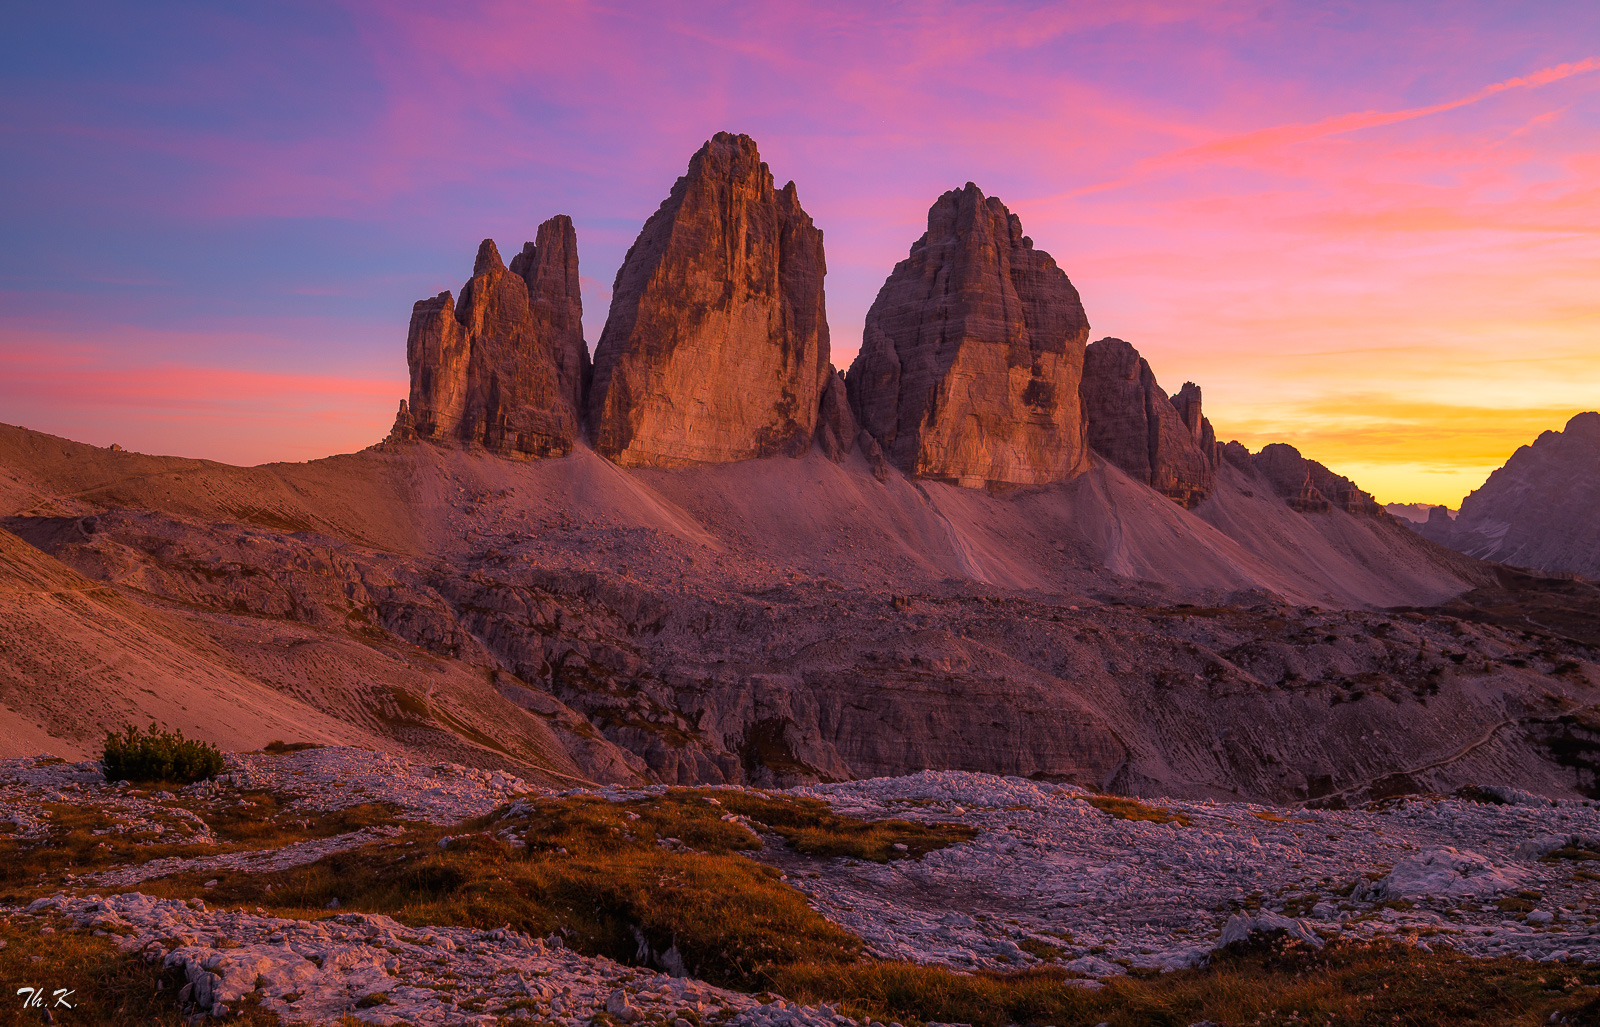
(665, 870)
(1133, 809)
(670, 871)
(109, 989)
(238, 820)
(1347, 986)
(278, 747)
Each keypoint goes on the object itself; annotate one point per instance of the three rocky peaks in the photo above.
(974, 369)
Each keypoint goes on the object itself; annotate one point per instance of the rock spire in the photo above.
(971, 354)
(1164, 442)
(504, 366)
(716, 345)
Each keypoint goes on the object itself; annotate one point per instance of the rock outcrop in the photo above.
(716, 346)
(504, 367)
(1308, 486)
(836, 425)
(1162, 441)
(971, 354)
(1541, 509)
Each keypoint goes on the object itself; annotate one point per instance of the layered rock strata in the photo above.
(1161, 441)
(716, 345)
(1308, 486)
(971, 354)
(504, 367)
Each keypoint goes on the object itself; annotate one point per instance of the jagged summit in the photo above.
(1164, 442)
(504, 367)
(973, 368)
(971, 354)
(1541, 509)
(716, 346)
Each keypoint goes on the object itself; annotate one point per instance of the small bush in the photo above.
(158, 755)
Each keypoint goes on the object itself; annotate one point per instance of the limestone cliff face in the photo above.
(716, 346)
(549, 265)
(1132, 423)
(504, 366)
(971, 355)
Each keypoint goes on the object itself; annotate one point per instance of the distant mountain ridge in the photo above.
(1541, 509)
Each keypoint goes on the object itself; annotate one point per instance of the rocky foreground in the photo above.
(1093, 887)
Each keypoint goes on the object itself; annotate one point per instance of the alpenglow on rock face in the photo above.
(1163, 442)
(716, 347)
(971, 354)
(504, 366)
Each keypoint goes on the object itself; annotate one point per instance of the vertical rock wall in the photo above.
(1133, 423)
(716, 345)
(971, 354)
(503, 367)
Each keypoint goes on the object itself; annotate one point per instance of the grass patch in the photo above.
(85, 837)
(669, 871)
(1345, 985)
(158, 755)
(1132, 809)
(663, 872)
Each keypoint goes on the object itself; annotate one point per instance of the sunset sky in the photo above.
(1371, 230)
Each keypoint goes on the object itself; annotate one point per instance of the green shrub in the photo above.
(158, 755)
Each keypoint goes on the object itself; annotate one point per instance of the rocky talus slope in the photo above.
(972, 352)
(770, 621)
(716, 346)
(1540, 510)
(1162, 441)
(504, 366)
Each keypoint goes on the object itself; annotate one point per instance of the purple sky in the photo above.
(1371, 229)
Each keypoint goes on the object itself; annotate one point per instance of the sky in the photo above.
(1371, 230)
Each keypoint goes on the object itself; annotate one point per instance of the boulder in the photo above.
(716, 345)
(971, 354)
(504, 366)
(1135, 425)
